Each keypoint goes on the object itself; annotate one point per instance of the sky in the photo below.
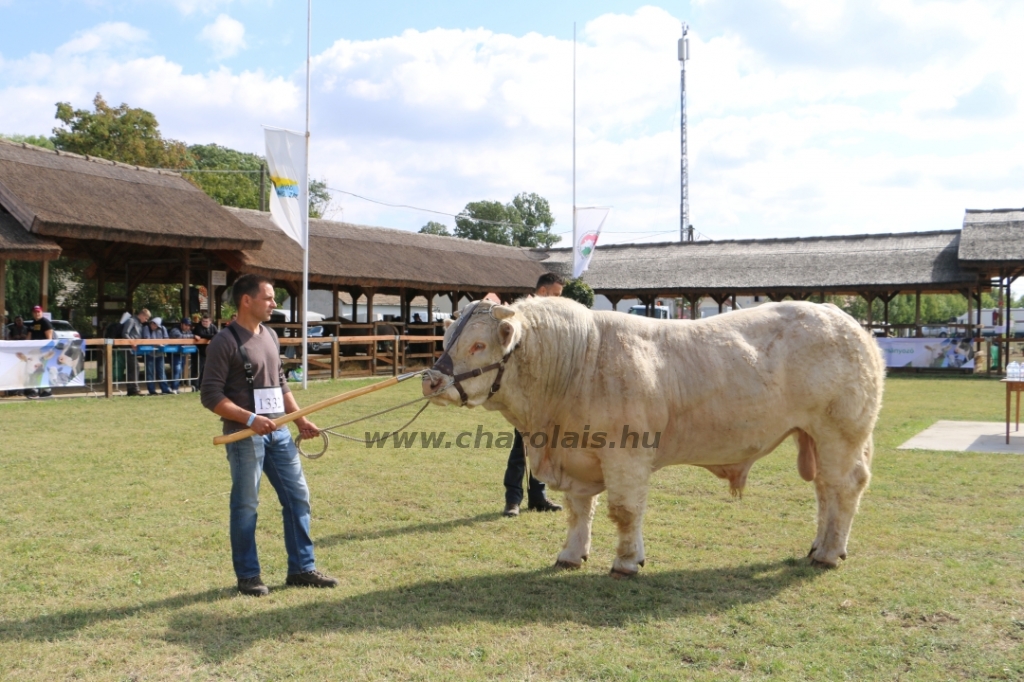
(805, 117)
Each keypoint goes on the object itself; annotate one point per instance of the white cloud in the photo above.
(226, 36)
(188, 7)
(802, 132)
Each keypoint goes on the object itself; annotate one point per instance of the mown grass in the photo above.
(115, 564)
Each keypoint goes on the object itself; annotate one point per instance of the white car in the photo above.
(63, 330)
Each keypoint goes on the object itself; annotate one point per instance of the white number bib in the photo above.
(269, 400)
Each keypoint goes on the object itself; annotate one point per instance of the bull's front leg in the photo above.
(577, 544)
(627, 502)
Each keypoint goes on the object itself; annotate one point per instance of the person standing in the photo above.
(204, 331)
(133, 330)
(39, 329)
(549, 284)
(18, 330)
(244, 384)
(183, 331)
(155, 370)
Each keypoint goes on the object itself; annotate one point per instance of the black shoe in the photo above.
(545, 505)
(311, 579)
(253, 587)
(511, 510)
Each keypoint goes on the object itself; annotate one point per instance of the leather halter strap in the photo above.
(445, 365)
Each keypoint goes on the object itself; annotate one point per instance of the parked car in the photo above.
(660, 311)
(63, 330)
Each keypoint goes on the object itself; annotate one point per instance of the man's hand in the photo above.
(307, 429)
(263, 425)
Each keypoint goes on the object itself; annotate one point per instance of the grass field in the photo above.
(115, 563)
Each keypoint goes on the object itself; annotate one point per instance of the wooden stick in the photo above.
(315, 407)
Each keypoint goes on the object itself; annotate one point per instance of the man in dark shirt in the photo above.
(253, 397)
(18, 330)
(549, 284)
(204, 331)
(39, 329)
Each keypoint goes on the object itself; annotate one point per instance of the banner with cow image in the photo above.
(286, 161)
(586, 224)
(42, 364)
(933, 353)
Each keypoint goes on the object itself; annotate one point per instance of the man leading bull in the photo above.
(244, 384)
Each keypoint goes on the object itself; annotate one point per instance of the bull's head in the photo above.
(476, 348)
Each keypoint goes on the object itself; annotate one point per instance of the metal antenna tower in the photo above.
(685, 228)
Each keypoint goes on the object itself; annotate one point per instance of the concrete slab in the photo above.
(953, 436)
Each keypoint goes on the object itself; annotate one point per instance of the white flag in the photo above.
(586, 229)
(286, 160)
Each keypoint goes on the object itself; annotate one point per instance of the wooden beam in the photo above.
(186, 291)
(917, 313)
(3, 293)
(334, 306)
(44, 285)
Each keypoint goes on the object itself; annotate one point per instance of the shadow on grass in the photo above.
(437, 527)
(68, 623)
(511, 599)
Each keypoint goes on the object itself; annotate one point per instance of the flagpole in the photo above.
(305, 217)
(575, 237)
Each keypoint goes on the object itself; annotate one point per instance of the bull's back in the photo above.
(729, 387)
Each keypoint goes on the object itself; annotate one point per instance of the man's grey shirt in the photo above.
(224, 375)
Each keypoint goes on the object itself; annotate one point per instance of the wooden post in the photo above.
(185, 293)
(209, 288)
(334, 306)
(355, 294)
(369, 306)
(335, 361)
(44, 285)
(394, 364)
(263, 186)
(108, 365)
(3, 293)
(917, 313)
(870, 299)
(430, 307)
(970, 310)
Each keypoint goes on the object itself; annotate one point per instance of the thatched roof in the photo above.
(357, 255)
(847, 264)
(63, 195)
(993, 238)
(17, 243)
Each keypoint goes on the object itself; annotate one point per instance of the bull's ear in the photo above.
(502, 312)
(506, 334)
(449, 322)
(455, 314)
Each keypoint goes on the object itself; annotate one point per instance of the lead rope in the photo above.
(326, 433)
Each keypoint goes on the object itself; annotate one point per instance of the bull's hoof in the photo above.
(568, 565)
(621, 575)
(823, 564)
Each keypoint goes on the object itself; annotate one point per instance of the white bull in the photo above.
(640, 394)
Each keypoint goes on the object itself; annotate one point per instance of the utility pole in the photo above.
(685, 229)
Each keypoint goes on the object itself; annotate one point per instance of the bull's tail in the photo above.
(807, 459)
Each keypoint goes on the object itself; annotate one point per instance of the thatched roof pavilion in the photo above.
(68, 196)
(993, 239)
(357, 257)
(798, 267)
(16, 243)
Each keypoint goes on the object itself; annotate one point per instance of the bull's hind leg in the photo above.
(581, 517)
(843, 474)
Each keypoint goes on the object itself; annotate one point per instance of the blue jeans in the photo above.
(177, 362)
(276, 455)
(155, 372)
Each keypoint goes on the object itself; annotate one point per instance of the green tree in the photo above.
(242, 189)
(119, 134)
(579, 291)
(534, 228)
(37, 140)
(486, 221)
(434, 227)
(319, 199)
